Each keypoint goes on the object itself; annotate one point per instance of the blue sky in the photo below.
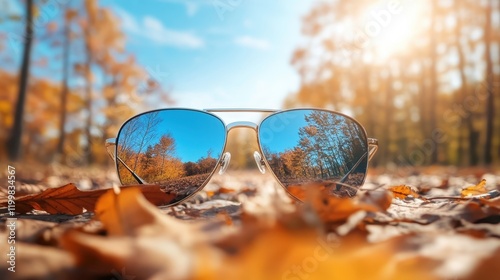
(216, 53)
(209, 53)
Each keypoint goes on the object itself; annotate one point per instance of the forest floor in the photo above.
(433, 222)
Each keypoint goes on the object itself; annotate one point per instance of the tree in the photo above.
(89, 29)
(490, 101)
(68, 16)
(14, 144)
(433, 76)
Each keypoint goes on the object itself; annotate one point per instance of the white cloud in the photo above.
(154, 30)
(252, 42)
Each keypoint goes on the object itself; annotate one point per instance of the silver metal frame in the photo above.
(372, 143)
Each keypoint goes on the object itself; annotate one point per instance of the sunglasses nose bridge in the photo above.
(241, 124)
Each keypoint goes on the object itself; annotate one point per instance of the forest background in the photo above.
(422, 76)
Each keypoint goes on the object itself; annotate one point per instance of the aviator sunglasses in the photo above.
(180, 149)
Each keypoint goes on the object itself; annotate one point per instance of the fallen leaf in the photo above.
(36, 262)
(150, 245)
(336, 209)
(221, 190)
(139, 238)
(403, 191)
(126, 212)
(68, 199)
(480, 188)
(285, 253)
(495, 203)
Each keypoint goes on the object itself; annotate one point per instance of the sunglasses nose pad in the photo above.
(224, 163)
(260, 162)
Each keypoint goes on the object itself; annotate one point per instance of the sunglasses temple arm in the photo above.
(372, 149)
(112, 143)
(353, 168)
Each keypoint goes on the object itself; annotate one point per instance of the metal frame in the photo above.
(372, 143)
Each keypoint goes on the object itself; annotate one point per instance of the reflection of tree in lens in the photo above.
(134, 137)
(331, 149)
(157, 163)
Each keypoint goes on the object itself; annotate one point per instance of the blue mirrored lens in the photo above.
(174, 148)
(315, 148)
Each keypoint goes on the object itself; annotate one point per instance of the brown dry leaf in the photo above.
(150, 245)
(475, 211)
(124, 213)
(140, 238)
(284, 253)
(480, 188)
(403, 191)
(495, 203)
(335, 209)
(36, 262)
(68, 199)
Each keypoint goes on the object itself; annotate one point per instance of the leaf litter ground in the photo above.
(437, 223)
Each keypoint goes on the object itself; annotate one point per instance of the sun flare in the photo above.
(392, 26)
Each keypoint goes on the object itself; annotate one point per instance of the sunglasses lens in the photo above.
(177, 149)
(315, 148)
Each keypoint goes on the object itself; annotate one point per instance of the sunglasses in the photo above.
(180, 150)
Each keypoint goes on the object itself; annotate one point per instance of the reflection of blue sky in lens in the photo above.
(195, 133)
(284, 136)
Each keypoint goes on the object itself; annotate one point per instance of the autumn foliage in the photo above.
(388, 234)
(84, 100)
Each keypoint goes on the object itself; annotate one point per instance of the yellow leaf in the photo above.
(474, 190)
(403, 191)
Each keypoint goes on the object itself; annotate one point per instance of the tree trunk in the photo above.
(64, 92)
(463, 90)
(433, 82)
(490, 102)
(88, 89)
(389, 100)
(370, 100)
(424, 115)
(14, 143)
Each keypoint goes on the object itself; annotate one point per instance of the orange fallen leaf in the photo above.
(403, 191)
(279, 252)
(336, 209)
(221, 190)
(480, 188)
(150, 245)
(139, 238)
(68, 199)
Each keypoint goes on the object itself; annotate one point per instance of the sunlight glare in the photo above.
(397, 32)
